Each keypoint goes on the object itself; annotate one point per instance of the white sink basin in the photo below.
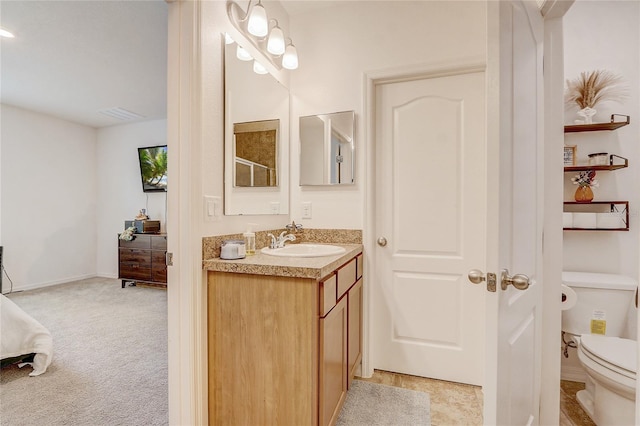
(305, 250)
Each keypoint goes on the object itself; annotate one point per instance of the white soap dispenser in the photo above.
(250, 240)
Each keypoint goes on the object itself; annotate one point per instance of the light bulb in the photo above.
(275, 43)
(5, 33)
(258, 24)
(258, 68)
(242, 54)
(227, 39)
(290, 58)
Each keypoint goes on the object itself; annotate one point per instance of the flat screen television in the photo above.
(153, 168)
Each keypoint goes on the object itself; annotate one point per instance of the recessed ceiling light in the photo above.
(5, 33)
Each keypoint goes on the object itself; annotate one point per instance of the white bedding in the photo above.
(20, 334)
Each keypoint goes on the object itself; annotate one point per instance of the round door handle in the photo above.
(519, 281)
(382, 241)
(476, 276)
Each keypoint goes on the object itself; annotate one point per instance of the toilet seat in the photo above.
(612, 353)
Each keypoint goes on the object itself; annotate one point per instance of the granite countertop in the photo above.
(299, 267)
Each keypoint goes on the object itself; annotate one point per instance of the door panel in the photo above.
(430, 151)
(514, 357)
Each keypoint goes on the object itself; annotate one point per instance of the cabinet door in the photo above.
(158, 266)
(354, 315)
(333, 362)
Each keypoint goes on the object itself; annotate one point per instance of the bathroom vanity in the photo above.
(285, 337)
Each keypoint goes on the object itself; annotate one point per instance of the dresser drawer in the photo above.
(135, 271)
(346, 277)
(158, 242)
(140, 241)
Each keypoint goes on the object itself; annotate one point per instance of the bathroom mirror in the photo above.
(256, 139)
(327, 149)
(255, 146)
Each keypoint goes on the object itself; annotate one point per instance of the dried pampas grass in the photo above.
(595, 86)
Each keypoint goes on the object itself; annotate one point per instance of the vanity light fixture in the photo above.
(242, 54)
(228, 39)
(258, 24)
(6, 34)
(275, 42)
(290, 57)
(254, 23)
(258, 68)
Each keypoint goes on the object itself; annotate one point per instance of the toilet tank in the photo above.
(599, 296)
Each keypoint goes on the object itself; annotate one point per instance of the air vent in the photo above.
(121, 114)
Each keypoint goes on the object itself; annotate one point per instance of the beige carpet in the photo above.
(373, 404)
(109, 358)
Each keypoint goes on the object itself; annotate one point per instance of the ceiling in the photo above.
(72, 59)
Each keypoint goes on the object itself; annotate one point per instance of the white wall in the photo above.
(48, 199)
(119, 186)
(605, 35)
(336, 46)
(586, 50)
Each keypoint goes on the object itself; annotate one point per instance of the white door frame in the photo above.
(186, 289)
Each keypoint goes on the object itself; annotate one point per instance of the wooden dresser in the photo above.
(143, 259)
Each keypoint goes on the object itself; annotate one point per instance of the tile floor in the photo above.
(460, 404)
(571, 414)
(451, 403)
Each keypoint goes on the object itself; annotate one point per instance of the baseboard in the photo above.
(573, 374)
(47, 283)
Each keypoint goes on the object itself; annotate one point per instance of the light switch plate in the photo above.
(212, 208)
(306, 210)
(275, 207)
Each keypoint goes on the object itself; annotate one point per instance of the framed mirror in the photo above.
(327, 149)
(256, 180)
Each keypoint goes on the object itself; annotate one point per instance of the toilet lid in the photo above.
(618, 352)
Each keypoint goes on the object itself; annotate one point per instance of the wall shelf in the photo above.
(607, 167)
(608, 216)
(612, 125)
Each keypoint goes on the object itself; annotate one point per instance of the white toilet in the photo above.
(602, 303)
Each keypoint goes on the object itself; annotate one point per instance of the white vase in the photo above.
(587, 115)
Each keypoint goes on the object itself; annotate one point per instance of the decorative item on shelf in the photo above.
(569, 155)
(598, 159)
(142, 215)
(591, 88)
(127, 234)
(585, 180)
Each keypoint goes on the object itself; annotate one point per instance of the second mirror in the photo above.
(327, 149)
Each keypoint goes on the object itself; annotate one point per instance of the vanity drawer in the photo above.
(359, 266)
(346, 277)
(328, 291)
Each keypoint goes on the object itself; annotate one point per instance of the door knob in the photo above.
(382, 241)
(476, 276)
(519, 281)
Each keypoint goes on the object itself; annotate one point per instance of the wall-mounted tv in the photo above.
(153, 168)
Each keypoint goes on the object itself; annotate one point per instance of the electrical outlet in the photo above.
(306, 210)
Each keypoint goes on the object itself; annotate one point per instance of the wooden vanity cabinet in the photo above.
(282, 350)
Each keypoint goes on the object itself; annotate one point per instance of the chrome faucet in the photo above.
(279, 242)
